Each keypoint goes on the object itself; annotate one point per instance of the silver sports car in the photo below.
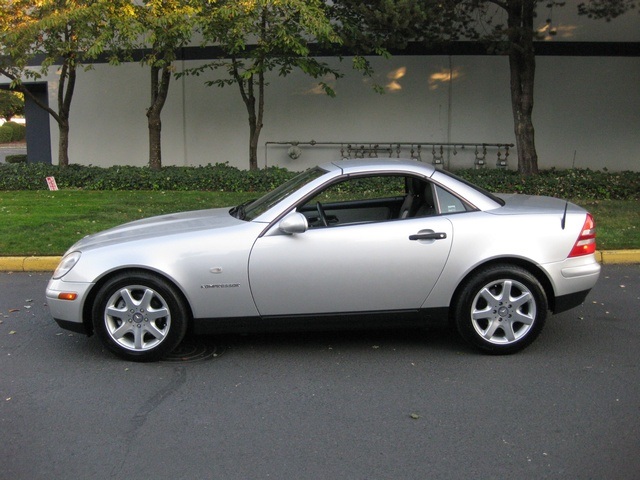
(350, 244)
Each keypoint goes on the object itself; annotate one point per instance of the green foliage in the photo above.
(6, 134)
(18, 131)
(20, 158)
(11, 104)
(606, 9)
(577, 184)
(574, 184)
(368, 26)
(218, 177)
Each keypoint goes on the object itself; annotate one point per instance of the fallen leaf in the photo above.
(415, 416)
(11, 310)
(12, 332)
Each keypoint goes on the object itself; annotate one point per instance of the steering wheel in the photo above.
(321, 214)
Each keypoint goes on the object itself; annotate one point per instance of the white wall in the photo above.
(587, 113)
(590, 108)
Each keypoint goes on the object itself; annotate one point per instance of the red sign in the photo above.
(51, 182)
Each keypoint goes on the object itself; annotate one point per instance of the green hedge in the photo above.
(12, 132)
(575, 184)
(219, 177)
(17, 158)
(18, 131)
(6, 134)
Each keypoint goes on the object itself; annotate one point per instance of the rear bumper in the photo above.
(567, 302)
(573, 275)
(573, 280)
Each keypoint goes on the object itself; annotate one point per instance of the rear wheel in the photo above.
(139, 316)
(501, 310)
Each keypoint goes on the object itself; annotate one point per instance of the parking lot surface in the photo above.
(363, 405)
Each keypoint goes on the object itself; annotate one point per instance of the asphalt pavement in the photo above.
(367, 405)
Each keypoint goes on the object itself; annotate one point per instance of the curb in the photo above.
(49, 264)
(29, 264)
(611, 257)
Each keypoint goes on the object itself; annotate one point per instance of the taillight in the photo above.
(586, 242)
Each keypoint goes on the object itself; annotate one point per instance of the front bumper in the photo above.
(68, 314)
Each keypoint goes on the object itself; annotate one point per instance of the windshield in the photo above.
(252, 209)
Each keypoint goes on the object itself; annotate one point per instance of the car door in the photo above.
(365, 267)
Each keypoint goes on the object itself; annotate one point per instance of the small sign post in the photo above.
(51, 182)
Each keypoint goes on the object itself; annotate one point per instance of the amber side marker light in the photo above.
(67, 296)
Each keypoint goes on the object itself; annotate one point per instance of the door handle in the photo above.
(428, 236)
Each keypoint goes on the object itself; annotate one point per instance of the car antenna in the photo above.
(564, 215)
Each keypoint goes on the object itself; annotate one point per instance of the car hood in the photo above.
(160, 226)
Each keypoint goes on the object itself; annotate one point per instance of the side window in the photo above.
(449, 203)
(363, 188)
(357, 200)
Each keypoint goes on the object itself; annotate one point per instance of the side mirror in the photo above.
(293, 223)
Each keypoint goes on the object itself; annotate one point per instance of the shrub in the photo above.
(19, 131)
(574, 184)
(6, 133)
(20, 158)
(219, 177)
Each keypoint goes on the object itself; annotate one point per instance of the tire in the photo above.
(139, 316)
(501, 310)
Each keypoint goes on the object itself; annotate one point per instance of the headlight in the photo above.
(66, 264)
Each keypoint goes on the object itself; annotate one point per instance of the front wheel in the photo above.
(501, 310)
(139, 316)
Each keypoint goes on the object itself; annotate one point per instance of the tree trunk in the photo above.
(66, 87)
(254, 131)
(63, 143)
(253, 145)
(255, 122)
(522, 63)
(160, 78)
(155, 140)
(247, 92)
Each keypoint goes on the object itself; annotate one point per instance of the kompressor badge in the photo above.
(220, 285)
